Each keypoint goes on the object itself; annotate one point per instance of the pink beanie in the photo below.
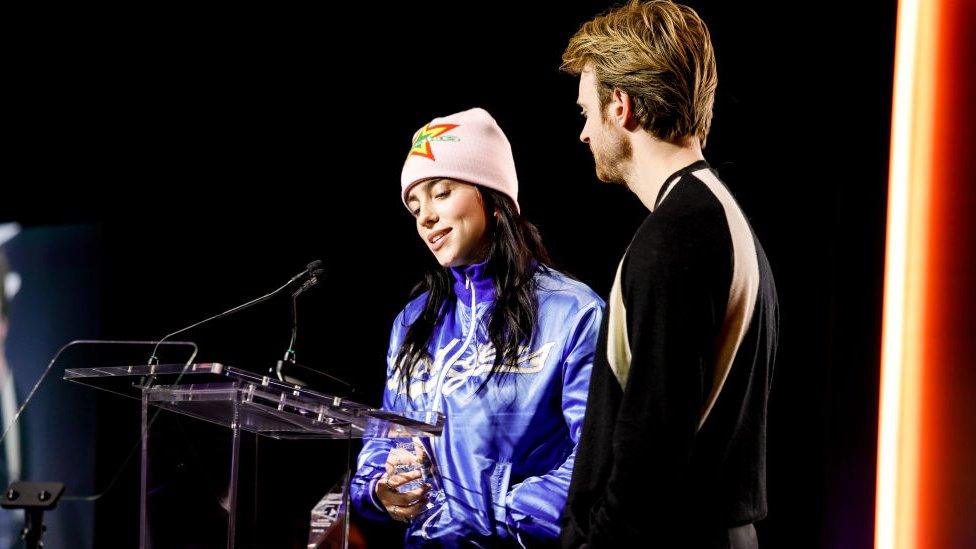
(467, 146)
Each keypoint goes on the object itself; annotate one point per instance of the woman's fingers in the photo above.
(396, 480)
(399, 457)
(407, 512)
(388, 490)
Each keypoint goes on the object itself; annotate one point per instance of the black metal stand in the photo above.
(34, 498)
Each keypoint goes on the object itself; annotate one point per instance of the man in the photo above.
(672, 452)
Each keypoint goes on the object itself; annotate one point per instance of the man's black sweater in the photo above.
(673, 449)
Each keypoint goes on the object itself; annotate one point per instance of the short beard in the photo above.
(613, 157)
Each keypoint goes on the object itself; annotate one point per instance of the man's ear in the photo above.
(621, 109)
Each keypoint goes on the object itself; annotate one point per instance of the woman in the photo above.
(496, 340)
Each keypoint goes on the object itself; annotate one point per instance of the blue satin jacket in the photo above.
(505, 458)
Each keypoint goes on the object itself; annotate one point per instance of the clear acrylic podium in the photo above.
(237, 401)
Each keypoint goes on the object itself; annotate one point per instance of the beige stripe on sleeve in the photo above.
(742, 293)
(618, 344)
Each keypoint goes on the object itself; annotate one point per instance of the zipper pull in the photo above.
(467, 282)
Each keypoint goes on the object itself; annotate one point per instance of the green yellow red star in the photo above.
(421, 139)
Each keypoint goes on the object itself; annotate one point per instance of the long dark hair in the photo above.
(515, 253)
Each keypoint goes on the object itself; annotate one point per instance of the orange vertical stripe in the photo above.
(925, 454)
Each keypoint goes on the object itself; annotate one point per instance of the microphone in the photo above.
(313, 279)
(313, 269)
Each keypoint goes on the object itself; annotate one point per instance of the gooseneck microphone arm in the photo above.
(313, 279)
(312, 268)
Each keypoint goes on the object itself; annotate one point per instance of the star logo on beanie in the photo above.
(423, 137)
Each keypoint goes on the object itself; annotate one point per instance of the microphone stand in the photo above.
(34, 498)
(288, 362)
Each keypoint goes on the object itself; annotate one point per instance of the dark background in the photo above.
(217, 152)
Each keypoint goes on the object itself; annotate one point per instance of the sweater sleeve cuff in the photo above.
(372, 495)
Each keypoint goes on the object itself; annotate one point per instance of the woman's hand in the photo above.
(406, 505)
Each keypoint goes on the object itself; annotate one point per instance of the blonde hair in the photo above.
(661, 54)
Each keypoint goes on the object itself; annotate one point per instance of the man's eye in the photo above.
(442, 194)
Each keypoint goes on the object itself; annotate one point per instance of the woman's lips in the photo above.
(439, 239)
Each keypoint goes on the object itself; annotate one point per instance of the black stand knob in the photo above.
(34, 498)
